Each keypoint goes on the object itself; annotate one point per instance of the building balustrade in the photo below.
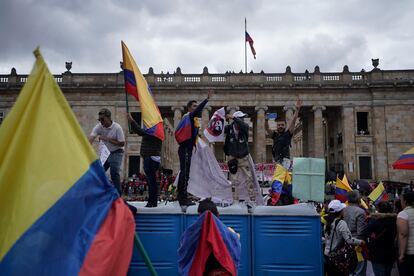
(116, 80)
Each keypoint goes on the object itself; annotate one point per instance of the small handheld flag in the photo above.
(378, 194)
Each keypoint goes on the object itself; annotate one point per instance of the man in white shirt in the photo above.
(112, 135)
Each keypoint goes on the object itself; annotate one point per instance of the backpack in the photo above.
(344, 258)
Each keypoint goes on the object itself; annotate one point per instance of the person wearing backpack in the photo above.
(340, 255)
(382, 231)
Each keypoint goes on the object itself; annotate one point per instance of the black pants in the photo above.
(185, 154)
(407, 267)
(150, 169)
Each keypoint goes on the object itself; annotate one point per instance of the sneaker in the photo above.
(150, 205)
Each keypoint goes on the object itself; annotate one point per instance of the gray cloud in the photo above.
(194, 34)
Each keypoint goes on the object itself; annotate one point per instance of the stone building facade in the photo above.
(360, 122)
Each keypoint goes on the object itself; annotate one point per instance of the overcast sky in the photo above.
(194, 34)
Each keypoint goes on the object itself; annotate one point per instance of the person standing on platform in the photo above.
(151, 153)
(112, 135)
(282, 136)
(186, 135)
(241, 166)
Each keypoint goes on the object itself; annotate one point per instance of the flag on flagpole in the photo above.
(59, 215)
(378, 194)
(249, 39)
(137, 86)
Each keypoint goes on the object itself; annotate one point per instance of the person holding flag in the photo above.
(186, 135)
(151, 152)
(153, 131)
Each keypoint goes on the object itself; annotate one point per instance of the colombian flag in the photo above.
(137, 86)
(59, 215)
(208, 236)
(341, 189)
(280, 176)
(184, 130)
(378, 194)
(406, 161)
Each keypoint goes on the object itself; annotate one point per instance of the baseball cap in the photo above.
(239, 114)
(336, 206)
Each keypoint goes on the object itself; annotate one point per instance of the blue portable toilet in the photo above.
(237, 217)
(286, 240)
(159, 230)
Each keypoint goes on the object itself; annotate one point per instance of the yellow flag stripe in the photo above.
(376, 193)
(43, 152)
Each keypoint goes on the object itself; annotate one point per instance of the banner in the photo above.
(214, 132)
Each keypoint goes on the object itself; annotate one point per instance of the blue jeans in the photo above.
(114, 164)
(150, 169)
(382, 269)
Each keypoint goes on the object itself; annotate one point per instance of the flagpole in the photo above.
(126, 101)
(245, 47)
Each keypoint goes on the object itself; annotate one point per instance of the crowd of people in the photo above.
(136, 187)
(383, 235)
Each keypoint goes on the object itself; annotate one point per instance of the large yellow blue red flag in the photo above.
(406, 161)
(59, 214)
(137, 86)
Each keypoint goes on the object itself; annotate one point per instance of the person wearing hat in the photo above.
(336, 233)
(241, 166)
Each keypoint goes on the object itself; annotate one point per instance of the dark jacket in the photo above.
(382, 231)
(237, 145)
(194, 130)
(150, 145)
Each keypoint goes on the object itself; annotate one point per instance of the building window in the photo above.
(365, 170)
(339, 138)
(137, 117)
(1, 117)
(133, 165)
(362, 123)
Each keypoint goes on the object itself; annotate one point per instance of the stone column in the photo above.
(318, 131)
(380, 149)
(289, 109)
(177, 118)
(260, 135)
(348, 142)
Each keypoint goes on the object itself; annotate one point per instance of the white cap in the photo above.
(239, 114)
(336, 206)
